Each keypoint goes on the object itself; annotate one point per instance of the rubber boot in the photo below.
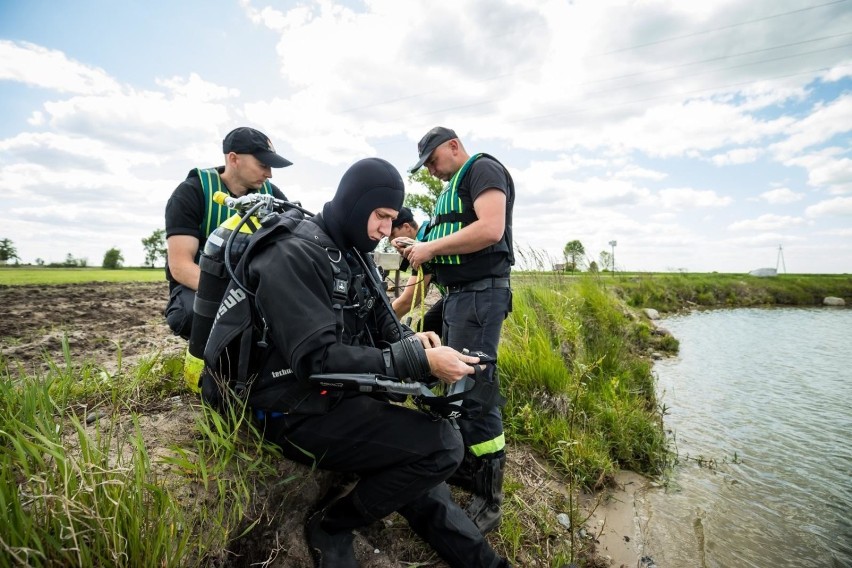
(329, 531)
(329, 549)
(485, 507)
(463, 476)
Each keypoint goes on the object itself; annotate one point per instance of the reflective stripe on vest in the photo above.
(215, 214)
(450, 215)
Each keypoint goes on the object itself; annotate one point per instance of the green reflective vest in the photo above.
(451, 216)
(215, 214)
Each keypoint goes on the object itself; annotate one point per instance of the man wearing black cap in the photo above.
(191, 213)
(406, 229)
(469, 251)
(322, 313)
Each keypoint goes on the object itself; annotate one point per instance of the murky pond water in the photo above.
(760, 404)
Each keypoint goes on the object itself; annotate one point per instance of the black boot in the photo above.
(485, 506)
(463, 476)
(329, 549)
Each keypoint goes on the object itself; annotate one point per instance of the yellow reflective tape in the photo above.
(192, 367)
(232, 222)
(488, 447)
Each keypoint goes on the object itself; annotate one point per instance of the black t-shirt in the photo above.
(185, 212)
(485, 173)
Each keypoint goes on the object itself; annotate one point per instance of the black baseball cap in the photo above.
(404, 216)
(245, 140)
(428, 143)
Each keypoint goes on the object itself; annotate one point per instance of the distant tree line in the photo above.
(8, 251)
(154, 245)
(575, 259)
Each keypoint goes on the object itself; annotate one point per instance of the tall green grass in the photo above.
(577, 388)
(79, 494)
(72, 493)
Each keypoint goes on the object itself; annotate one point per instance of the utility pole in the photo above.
(612, 244)
(780, 260)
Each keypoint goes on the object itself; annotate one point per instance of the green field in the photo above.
(16, 276)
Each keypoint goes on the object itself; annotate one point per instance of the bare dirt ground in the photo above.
(105, 322)
(100, 320)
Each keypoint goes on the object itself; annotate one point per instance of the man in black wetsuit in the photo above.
(321, 314)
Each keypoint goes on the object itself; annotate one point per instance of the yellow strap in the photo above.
(420, 294)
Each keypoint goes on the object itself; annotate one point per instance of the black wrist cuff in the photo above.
(409, 359)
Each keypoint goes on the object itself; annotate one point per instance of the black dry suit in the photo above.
(313, 313)
(314, 310)
(313, 307)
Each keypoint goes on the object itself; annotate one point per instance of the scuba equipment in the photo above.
(233, 234)
(483, 392)
(237, 348)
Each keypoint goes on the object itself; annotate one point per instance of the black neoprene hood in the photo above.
(367, 185)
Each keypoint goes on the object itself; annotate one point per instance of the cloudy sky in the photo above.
(700, 136)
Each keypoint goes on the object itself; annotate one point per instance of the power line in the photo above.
(645, 83)
(720, 58)
(658, 97)
(532, 69)
(730, 26)
(729, 67)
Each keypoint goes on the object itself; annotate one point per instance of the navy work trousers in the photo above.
(473, 320)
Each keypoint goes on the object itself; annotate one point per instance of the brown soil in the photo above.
(100, 320)
(108, 322)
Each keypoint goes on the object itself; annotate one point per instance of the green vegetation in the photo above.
(672, 292)
(574, 252)
(432, 188)
(17, 276)
(112, 259)
(578, 387)
(155, 247)
(81, 484)
(79, 487)
(8, 251)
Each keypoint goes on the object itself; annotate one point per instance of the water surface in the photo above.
(760, 406)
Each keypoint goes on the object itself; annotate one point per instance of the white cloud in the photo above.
(39, 66)
(767, 222)
(635, 172)
(780, 196)
(827, 169)
(767, 240)
(688, 198)
(823, 123)
(837, 207)
(737, 156)
(197, 89)
(838, 72)
(607, 124)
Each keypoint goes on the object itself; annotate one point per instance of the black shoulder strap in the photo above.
(311, 232)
